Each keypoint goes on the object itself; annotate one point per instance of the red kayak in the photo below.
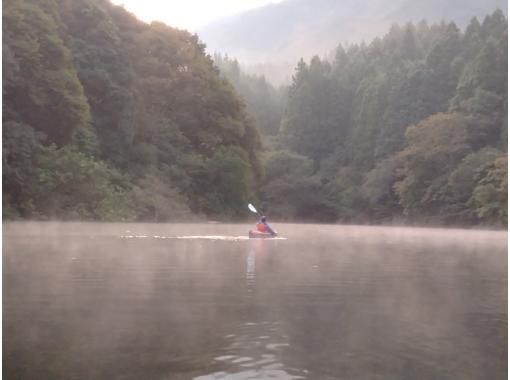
(260, 235)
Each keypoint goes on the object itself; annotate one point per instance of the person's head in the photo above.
(262, 218)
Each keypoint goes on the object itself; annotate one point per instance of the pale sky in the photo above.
(188, 14)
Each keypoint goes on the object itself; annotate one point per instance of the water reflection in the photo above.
(258, 348)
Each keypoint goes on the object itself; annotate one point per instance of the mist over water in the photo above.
(200, 301)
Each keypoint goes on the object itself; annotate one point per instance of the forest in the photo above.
(109, 118)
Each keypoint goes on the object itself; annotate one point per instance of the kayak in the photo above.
(260, 235)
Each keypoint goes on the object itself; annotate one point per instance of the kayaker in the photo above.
(263, 226)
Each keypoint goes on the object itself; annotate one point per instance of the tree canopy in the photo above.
(412, 126)
(106, 117)
(109, 118)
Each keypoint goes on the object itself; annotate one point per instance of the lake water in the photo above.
(203, 302)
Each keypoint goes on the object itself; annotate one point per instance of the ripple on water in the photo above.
(276, 374)
(247, 358)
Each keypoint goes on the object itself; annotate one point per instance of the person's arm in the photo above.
(268, 227)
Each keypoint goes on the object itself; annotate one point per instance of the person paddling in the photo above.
(263, 226)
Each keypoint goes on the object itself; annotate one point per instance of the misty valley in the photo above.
(109, 118)
(300, 190)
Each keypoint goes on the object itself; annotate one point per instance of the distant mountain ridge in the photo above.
(283, 32)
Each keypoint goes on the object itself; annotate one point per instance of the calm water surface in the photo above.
(134, 301)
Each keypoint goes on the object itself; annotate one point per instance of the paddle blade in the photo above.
(252, 209)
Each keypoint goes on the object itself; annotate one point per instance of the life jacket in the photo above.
(261, 227)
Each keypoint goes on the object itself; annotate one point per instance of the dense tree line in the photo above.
(273, 37)
(264, 101)
(109, 118)
(412, 126)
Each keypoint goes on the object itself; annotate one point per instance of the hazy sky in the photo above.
(188, 14)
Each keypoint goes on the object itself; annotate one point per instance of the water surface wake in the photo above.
(199, 237)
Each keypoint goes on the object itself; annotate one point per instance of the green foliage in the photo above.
(435, 145)
(282, 164)
(377, 188)
(223, 184)
(21, 145)
(312, 124)
(462, 182)
(263, 101)
(46, 93)
(157, 201)
(490, 197)
(71, 185)
(109, 118)
(401, 126)
(290, 190)
(46, 182)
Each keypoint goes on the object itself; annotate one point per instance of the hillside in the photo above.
(106, 117)
(109, 118)
(271, 39)
(411, 128)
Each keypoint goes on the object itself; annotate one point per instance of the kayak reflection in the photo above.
(257, 349)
